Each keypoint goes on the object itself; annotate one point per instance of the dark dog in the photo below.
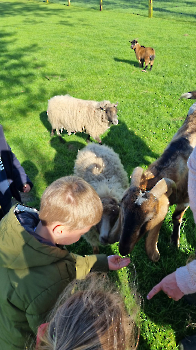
(143, 54)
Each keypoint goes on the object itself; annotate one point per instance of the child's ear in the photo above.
(58, 230)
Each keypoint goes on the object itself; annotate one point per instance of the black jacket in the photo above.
(14, 173)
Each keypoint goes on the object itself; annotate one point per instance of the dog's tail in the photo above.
(190, 95)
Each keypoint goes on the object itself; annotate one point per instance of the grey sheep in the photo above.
(76, 115)
(101, 167)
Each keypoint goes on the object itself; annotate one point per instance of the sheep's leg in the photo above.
(140, 62)
(151, 64)
(61, 139)
(177, 221)
(151, 243)
(88, 139)
(98, 140)
(146, 65)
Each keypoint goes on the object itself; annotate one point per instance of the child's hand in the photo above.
(115, 262)
(26, 188)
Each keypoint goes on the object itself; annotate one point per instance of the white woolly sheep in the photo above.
(101, 167)
(76, 115)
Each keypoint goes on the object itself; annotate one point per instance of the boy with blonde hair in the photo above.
(35, 267)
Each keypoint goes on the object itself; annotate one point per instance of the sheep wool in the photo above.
(77, 115)
(101, 167)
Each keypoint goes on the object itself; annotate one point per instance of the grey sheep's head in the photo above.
(111, 113)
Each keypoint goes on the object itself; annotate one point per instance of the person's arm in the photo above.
(186, 278)
(192, 182)
(99, 263)
(169, 286)
(20, 178)
(178, 283)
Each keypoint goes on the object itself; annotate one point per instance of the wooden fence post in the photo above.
(101, 5)
(150, 9)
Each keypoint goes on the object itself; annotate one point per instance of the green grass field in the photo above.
(49, 49)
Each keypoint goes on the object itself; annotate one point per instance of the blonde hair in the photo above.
(90, 315)
(71, 201)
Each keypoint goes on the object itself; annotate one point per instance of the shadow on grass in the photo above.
(9, 8)
(27, 8)
(64, 159)
(44, 119)
(143, 344)
(133, 63)
(190, 228)
(47, 125)
(20, 68)
(138, 8)
(31, 170)
(132, 149)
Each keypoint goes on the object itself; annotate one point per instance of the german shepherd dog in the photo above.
(143, 54)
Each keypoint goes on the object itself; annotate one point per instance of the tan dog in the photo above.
(143, 54)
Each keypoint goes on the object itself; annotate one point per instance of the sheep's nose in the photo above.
(115, 122)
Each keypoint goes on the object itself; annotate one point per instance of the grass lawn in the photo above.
(49, 49)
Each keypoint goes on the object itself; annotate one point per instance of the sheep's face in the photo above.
(109, 218)
(138, 210)
(111, 113)
(133, 44)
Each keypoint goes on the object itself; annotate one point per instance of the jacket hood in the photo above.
(18, 248)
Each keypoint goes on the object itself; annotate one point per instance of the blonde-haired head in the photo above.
(71, 201)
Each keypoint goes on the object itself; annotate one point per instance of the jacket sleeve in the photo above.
(192, 182)
(88, 263)
(20, 178)
(186, 278)
(14, 170)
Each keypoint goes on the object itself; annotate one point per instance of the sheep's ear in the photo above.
(162, 186)
(116, 104)
(136, 176)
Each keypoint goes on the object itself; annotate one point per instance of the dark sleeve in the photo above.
(14, 170)
(20, 178)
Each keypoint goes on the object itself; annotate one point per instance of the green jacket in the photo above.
(32, 275)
